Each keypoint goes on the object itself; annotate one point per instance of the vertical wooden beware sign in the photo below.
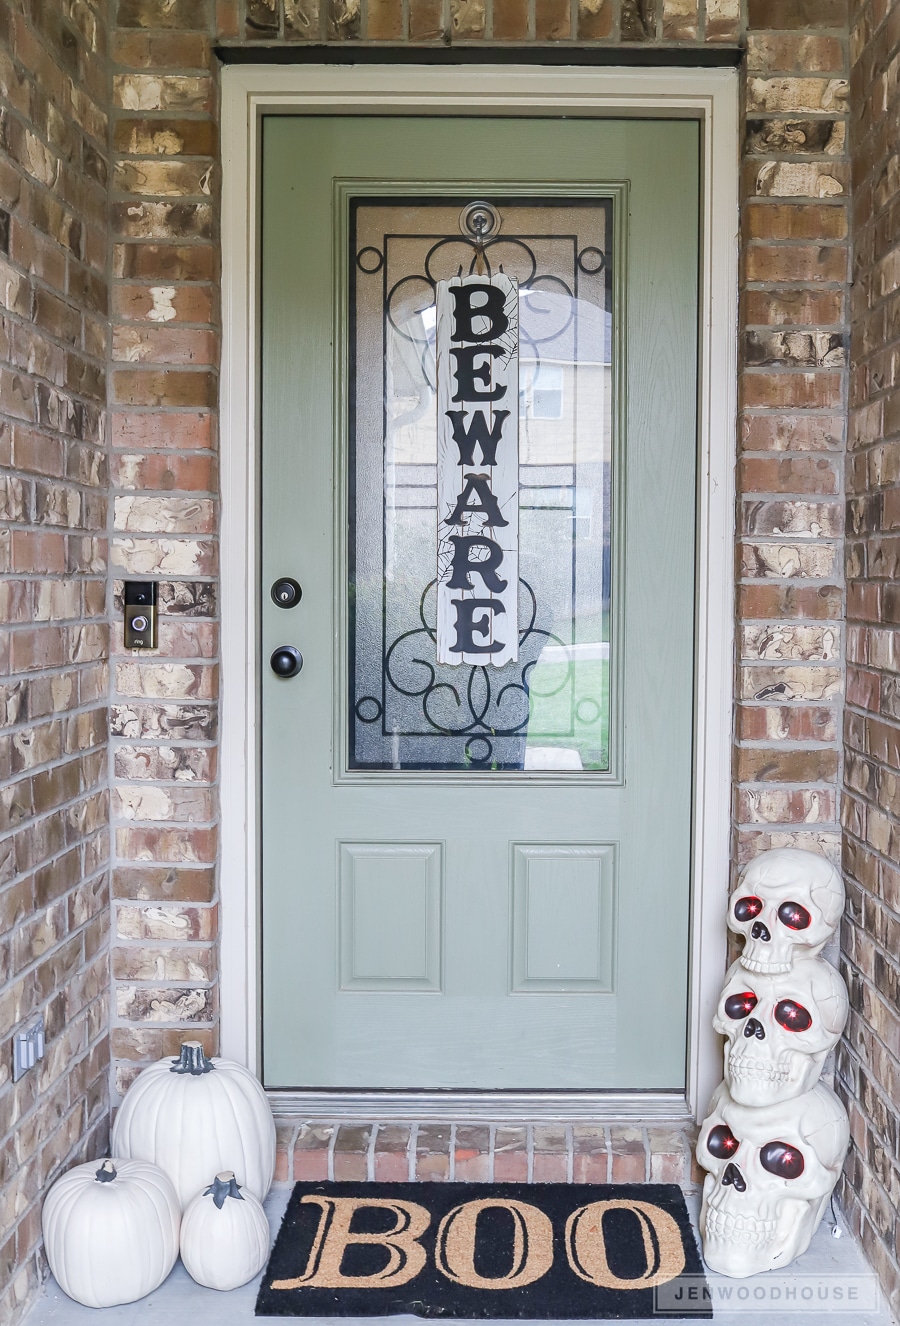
(477, 353)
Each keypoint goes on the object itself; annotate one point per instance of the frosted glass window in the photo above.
(550, 711)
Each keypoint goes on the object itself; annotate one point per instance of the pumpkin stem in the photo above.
(224, 1185)
(106, 1173)
(192, 1060)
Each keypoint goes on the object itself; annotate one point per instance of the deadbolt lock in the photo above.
(286, 593)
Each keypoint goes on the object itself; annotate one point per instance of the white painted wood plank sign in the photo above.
(477, 354)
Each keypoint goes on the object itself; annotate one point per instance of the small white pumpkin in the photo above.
(224, 1235)
(195, 1116)
(111, 1231)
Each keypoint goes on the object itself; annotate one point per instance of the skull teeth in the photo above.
(759, 1070)
(752, 964)
(746, 1229)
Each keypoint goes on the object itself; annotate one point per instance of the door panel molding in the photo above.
(617, 192)
(710, 96)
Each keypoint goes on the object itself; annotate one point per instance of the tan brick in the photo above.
(311, 1147)
(792, 433)
(755, 765)
(552, 20)
(140, 136)
(795, 221)
(789, 14)
(510, 20)
(170, 923)
(172, 388)
(472, 1154)
(425, 20)
(809, 52)
(164, 884)
(510, 1155)
(301, 20)
(774, 262)
(797, 94)
(595, 19)
(433, 1152)
(350, 1153)
(392, 1153)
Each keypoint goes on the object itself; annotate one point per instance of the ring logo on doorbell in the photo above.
(140, 614)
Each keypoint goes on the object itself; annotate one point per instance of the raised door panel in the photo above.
(390, 926)
(563, 918)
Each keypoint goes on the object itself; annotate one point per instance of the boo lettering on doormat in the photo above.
(478, 1250)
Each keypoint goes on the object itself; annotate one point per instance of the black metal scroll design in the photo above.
(469, 699)
(473, 705)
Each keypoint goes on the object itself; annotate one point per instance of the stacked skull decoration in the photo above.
(775, 1137)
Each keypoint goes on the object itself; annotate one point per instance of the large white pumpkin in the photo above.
(195, 1116)
(111, 1231)
(224, 1235)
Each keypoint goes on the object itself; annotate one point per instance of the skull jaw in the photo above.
(740, 1243)
(757, 964)
(776, 955)
(738, 1240)
(754, 1080)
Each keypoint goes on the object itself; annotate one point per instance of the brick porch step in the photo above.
(626, 1152)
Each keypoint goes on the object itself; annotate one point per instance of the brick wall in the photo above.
(869, 1064)
(53, 632)
(163, 388)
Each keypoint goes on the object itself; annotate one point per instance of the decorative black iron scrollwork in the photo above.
(481, 706)
(480, 713)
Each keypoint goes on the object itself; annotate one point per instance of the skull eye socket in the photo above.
(792, 1016)
(746, 908)
(721, 1142)
(794, 916)
(740, 1005)
(782, 1160)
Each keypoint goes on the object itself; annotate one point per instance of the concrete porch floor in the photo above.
(829, 1262)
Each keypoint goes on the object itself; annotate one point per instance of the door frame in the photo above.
(709, 96)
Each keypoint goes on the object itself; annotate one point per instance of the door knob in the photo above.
(286, 661)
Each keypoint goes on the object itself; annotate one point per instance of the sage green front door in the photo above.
(476, 875)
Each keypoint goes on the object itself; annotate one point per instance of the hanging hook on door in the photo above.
(480, 221)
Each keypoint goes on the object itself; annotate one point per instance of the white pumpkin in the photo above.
(195, 1116)
(111, 1231)
(224, 1235)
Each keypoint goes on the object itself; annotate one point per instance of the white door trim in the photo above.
(708, 95)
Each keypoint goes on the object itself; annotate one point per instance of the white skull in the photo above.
(788, 903)
(780, 1027)
(772, 1169)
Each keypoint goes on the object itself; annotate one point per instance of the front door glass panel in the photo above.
(550, 710)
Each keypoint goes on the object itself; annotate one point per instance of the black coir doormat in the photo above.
(549, 1250)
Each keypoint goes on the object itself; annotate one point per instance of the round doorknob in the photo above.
(286, 661)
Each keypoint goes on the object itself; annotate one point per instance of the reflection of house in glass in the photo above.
(564, 450)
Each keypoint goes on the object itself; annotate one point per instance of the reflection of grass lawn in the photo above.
(553, 719)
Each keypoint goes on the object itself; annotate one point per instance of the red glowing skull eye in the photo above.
(794, 916)
(782, 1160)
(746, 908)
(722, 1142)
(740, 1005)
(792, 1016)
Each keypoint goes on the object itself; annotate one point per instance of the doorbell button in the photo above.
(286, 593)
(140, 613)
